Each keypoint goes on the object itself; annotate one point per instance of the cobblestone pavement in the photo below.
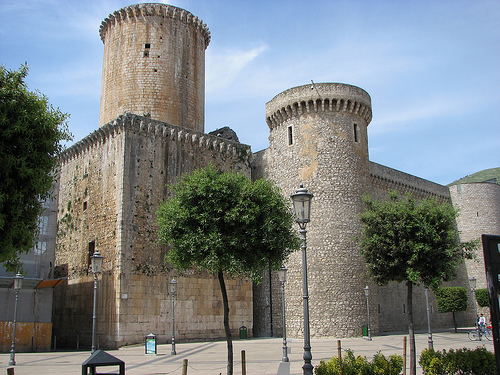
(263, 356)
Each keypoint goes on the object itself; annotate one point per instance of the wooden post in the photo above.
(184, 367)
(339, 348)
(243, 363)
(404, 355)
(10, 371)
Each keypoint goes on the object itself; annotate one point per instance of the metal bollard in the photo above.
(339, 348)
(184, 367)
(243, 363)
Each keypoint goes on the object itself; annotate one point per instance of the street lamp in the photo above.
(472, 283)
(96, 261)
(18, 283)
(173, 290)
(429, 333)
(302, 207)
(367, 294)
(282, 277)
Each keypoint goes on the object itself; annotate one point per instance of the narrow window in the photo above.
(84, 205)
(356, 133)
(404, 308)
(379, 308)
(147, 47)
(290, 136)
(91, 252)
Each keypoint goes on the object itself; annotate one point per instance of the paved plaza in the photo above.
(263, 355)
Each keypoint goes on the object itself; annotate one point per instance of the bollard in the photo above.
(243, 363)
(10, 371)
(404, 355)
(184, 367)
(339, 348)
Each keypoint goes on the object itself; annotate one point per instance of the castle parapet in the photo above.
(154, 9)
(318, 97)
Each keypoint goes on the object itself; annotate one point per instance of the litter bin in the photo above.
(365, 330)
(150, 344)
(243, 332)
(99, 359)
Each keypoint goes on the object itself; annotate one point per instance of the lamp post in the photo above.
(96, 261)
(367, 294)
(429, 333)
(173, 290)
(18, 283)
(302, 207)
(472, 283)
(282, 277)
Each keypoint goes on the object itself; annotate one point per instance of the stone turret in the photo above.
(318, 137)
(154, 65)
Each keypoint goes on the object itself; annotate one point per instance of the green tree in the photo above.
(226, 224)
(31, 131)
(451, 299)
(408, 241)
(482, 297)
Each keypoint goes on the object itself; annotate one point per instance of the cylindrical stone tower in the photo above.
(154, 65)
(318, 137)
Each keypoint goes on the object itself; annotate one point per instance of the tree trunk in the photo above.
(226, 324)
(413, 351)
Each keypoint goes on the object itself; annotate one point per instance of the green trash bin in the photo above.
(243, 332)
(365, 330)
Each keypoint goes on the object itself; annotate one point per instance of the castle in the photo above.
(151, 132)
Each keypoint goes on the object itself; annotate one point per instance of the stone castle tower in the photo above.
(151, 132)
(318, 137)
(154, 65)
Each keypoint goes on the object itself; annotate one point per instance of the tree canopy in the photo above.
(226, 224)
(31, 131)
(451, 299)
(406, 240)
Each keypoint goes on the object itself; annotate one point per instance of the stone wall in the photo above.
(112, 183)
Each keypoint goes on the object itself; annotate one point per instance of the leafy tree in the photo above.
(224, 223)
(408, 241)
(451, 299)
(482, 297)
(31, 131)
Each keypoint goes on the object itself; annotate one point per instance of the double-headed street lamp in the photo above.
(18, 283)
(282, 277)
(173, 290)
(302, 207)
(367, 294)
(96, 261)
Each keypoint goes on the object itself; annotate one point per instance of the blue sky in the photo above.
(432, 68)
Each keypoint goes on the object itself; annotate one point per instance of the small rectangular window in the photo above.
(356, 133)
(147, 45)
(290, 135)
(84, 205)
(90, 253)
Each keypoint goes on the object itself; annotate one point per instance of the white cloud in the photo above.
(223, 65)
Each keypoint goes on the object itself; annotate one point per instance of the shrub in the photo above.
(482, 297)
(462, 361)
(359, 365)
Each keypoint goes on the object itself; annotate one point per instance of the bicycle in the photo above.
(475, 334)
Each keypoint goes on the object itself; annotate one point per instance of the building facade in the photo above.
(151, 132)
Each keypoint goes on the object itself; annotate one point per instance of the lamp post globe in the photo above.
(302, 207)
(18, 284)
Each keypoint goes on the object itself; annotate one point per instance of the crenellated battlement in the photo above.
(155, 9)
(150, 127)
(318, 97)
